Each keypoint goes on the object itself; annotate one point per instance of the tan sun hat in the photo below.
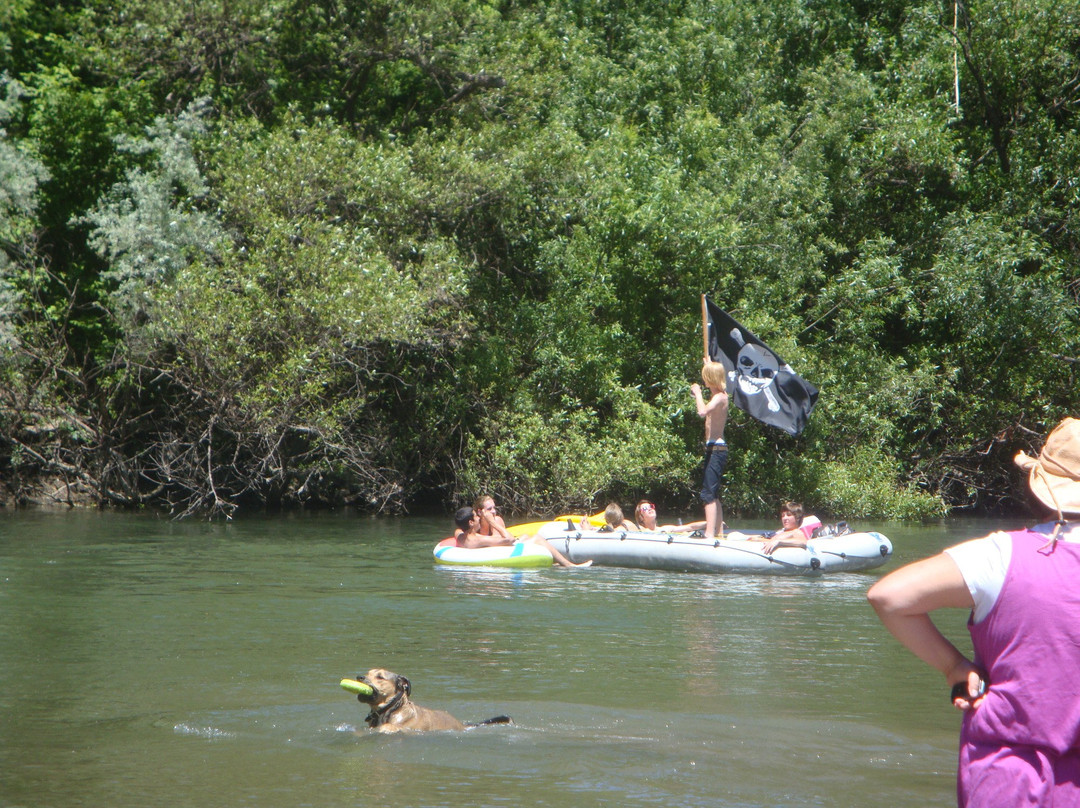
(1054, 476)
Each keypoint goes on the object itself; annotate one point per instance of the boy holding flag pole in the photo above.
(715, 413)
(761, 384)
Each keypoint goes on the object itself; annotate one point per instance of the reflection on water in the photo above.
(145, 662)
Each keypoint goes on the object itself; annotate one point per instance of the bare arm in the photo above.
(498, 527)
(479, 540)
(785, 538)
(705, 408)
(689, 527)
(696, 390)
(904, 599)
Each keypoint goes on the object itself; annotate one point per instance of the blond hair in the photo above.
(714, 374)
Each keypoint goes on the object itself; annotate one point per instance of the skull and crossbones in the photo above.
(755, 369)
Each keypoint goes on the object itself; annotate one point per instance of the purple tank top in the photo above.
(1029, 645)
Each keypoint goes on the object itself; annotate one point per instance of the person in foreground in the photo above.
(1020, 738)
(469, 535)
(715, 413)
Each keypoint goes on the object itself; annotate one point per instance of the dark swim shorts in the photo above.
(715, 461)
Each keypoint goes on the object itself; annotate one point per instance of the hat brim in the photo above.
(1054, 492)
(1054, 476)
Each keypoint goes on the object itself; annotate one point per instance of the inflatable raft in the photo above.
(519, 554)
(677, 551)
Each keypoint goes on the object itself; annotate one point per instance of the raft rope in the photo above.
(669, 538)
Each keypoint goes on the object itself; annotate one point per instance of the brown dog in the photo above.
(393, 711)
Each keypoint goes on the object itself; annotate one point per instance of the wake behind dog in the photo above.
(392, 710)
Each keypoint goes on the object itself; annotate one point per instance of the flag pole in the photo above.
(955, 63)
(704, 328)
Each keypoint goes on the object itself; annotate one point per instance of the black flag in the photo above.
(759, 381)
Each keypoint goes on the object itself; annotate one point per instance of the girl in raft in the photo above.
(645, 514)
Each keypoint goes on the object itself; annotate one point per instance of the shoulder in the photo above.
(983, 564)
(991, 549)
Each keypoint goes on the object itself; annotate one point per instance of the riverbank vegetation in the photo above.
(390, 254)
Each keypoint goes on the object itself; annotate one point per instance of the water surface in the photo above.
(145, 662)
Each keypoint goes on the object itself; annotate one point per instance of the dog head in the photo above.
(389, 691)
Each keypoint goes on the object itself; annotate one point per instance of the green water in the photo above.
(145, 662)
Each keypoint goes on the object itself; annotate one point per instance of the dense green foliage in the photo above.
(393, 254)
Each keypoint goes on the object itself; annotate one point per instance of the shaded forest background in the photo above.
(387, 255)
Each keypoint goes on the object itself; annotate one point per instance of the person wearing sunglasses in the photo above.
(646, 518)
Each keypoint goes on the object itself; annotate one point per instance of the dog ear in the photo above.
(404, 684)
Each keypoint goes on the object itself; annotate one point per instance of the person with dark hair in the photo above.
(463, 519)
(795, 531)
(469, 534)
(1020, 737)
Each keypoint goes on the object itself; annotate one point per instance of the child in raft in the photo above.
(614, 519)
(645, 514)
(792, 533)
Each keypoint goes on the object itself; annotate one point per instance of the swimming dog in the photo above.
(393, 711)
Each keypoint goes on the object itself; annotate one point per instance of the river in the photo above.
(145, 662)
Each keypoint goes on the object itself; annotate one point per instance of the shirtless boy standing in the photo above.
(715, 412)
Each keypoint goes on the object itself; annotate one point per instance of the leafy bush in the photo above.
(415, 249)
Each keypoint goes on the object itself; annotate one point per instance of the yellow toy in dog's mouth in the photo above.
(359, 688)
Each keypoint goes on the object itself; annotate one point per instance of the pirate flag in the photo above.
(759, 382)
